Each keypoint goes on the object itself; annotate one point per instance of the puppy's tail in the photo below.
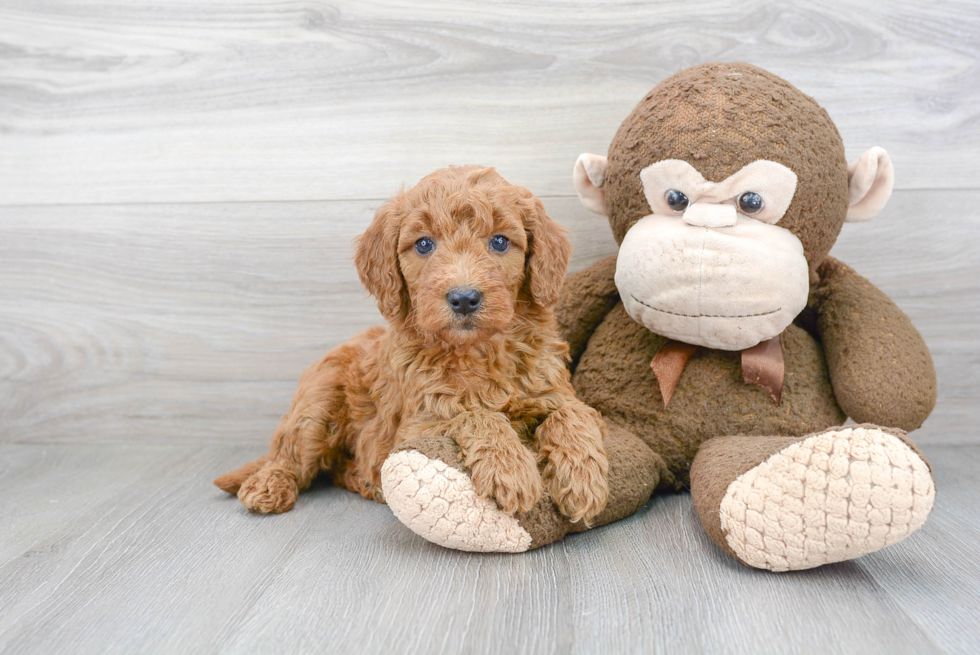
(232, 482)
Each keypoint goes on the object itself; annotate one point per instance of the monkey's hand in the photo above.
(879, 364)
(587, 296)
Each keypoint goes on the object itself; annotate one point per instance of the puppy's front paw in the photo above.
(508, 474)
(271, 490)
(576, 481)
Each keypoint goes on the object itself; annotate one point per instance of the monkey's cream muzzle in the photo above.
(709, 214)
(711, 276)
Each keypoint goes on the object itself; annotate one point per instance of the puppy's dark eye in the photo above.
(499, 243)
(424, 246)
(750, 202)
(676, 200)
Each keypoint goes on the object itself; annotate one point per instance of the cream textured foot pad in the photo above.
(439, 503)
(829, 498)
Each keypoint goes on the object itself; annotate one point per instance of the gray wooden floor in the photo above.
(179, 185)
(126, 549)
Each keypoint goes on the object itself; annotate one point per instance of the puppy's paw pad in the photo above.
(440, 504)
(831, 497)
(269, 491)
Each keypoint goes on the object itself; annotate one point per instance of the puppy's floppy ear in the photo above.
(548, 253)
(376, 258)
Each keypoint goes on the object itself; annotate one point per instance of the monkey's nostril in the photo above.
(464, 301)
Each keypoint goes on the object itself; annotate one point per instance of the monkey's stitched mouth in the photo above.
(664, 311)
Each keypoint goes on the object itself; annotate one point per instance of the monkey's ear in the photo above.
(376, 259)
(869, 184)
(589, 175)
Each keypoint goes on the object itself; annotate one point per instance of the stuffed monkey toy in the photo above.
(723, 346)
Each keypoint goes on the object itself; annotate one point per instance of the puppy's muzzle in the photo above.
(464, 301)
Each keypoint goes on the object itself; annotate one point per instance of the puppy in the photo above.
(466, 268)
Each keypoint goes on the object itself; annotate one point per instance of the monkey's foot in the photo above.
(796, 503)
(431, 492)
(427, 489)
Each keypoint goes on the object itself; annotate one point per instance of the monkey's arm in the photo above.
(879, 364)
(587, 296)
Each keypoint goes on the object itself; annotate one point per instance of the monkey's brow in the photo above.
(706, 315)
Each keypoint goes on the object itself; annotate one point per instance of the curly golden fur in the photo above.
(494, 380)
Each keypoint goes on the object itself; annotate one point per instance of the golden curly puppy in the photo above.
(467, 269)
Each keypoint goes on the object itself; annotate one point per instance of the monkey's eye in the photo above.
(424, 246)
(676, 200)
(750, 202)
(499, 243)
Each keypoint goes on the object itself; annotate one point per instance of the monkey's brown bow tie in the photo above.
(762, 365)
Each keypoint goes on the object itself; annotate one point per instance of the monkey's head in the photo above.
(726, 188)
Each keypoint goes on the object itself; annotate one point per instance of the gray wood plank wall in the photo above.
(180, 183)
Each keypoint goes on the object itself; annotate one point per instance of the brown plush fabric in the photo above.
(719, 117)
(586, 298)
(881, 369)
(711, 398)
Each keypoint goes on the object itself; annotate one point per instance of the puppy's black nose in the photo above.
(464, 301)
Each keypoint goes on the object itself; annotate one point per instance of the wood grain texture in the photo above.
(179, 186)
(234, 100)
(138, 553)
(192, 323)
